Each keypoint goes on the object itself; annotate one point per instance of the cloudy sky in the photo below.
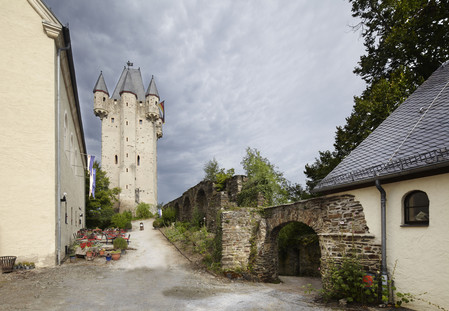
(271, 75)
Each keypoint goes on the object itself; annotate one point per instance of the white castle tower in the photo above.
(130, 127)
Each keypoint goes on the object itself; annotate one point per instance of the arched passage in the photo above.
(299, 251)
(187, 209)
(177, 211)
(201, 204)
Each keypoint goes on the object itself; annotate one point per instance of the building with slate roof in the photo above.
(43, 149)
(131, 124)
(400, 175)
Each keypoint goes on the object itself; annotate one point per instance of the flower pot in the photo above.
(73, 258)
(116, 256)
(89, 255)
(108, 257)
(102, 252)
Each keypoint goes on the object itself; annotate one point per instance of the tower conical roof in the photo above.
(101, 85)
(130, 81)
(152, 89)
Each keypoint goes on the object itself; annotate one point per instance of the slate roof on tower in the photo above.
(152, 89)
(130, 81)
(101, 85)
(412, 140)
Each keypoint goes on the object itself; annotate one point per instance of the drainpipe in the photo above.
(58, 152)
(383, 203)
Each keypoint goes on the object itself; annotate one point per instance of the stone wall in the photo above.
(207, 200)
(251, 237)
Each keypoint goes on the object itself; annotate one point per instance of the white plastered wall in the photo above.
(27, 135)
(421, 254)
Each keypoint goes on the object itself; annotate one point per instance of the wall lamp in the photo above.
(64, 197)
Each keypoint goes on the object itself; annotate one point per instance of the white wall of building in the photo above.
(419, 253)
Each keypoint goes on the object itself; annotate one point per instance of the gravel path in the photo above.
(154, 276)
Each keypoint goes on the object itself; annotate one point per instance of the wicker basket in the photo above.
(7, 263)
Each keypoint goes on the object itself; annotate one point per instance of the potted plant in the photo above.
(116, 255)
(102, 252)
(108, 257)
(72, 257)
(121, 244)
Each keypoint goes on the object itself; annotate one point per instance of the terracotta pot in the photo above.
(116, 256)
(89, 255)
(101, 252)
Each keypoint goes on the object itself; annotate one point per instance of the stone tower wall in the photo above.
(129, 146)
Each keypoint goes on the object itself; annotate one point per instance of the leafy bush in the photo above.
(143, 211)
(345, 280)
(168, 216)
(120, 243)
(122, 221)
(158, 223)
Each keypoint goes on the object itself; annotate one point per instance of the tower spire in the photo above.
(152, 89)
(101, 85)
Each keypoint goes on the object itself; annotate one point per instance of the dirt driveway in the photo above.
(154, 276)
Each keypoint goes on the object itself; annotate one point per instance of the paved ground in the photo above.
(153, 277)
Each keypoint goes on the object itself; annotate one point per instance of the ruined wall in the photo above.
(251, 237)
(207, 200)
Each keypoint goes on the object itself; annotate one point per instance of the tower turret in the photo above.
(101, 96)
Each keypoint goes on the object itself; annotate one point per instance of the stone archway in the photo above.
(187, 209)
(177, 211)
(299, 251)
(201, 204)
(250, 236)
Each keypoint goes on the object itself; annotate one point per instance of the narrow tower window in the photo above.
(112, 120)
(140, 121)
(116, 159)
(138, 160)
(104, 98)
(126, 122)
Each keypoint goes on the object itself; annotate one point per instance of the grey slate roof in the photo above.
(101, 85)
(152, 89)
(414, 137)
(130, 81)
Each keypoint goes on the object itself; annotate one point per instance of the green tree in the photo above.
(143, 211)
(218, 175)
(99, 210)
(405, 42)
(263, 180)
(211, 169)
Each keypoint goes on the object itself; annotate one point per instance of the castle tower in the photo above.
(130, 127)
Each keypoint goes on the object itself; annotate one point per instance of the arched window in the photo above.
(416, 208)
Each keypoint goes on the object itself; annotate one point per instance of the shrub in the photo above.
(143, 211)
(345, 280)
(120, 243)
(168, 216)
(157, 223)
(121, 221)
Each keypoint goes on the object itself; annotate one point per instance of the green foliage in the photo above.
(197, 218)
(405, 42)
(263, 179)
(211, 169)
(99, 210)
(158, 223)
(294, 235)
(200, 240)
(120, 243)
(217, 175)
(221, 177)
(345, 280)
(143, 211)
(122, 221)
(168, 216)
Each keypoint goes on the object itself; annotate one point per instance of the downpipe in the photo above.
(383, 207)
